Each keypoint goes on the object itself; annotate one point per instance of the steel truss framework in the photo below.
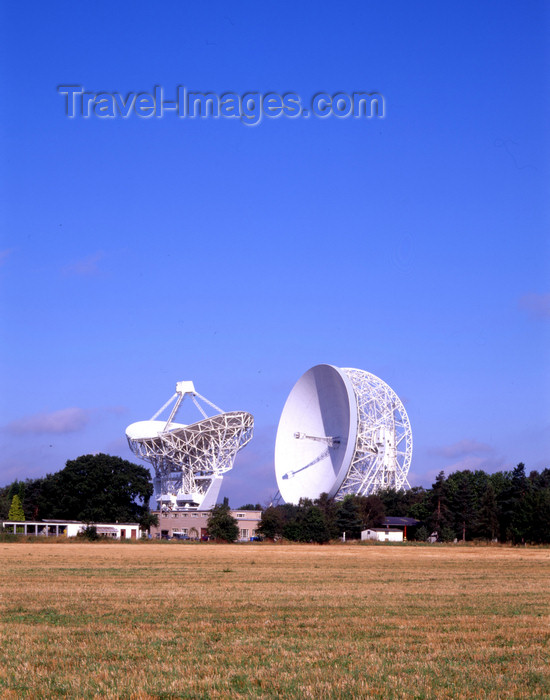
(383, 448)
(190, 460)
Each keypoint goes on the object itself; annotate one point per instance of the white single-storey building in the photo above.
(382, 534)
(71, 528)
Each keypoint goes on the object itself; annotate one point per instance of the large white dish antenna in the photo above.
(342, 431)
(190, 460)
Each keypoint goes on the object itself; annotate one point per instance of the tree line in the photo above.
(507, 506)
(322, 519)
(91, 488)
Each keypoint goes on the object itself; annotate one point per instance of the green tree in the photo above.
(420, 505)
(441, 516)
(31, 498)
(147, 520)
(329, 508)
(302, 522)
(539, 507)
(16, 510)
(89, 533)
(371, 511)
(462, 503)
(447, 534)
(539, 530)
(395, 502)
(410, 503)
(416, 503)
(221, 524)
(16, 488)
(487, 521)
(5, 503)
(421, 534)
(348, 519)
(290, 515)
(29, 494)
(292, 530)
(514, 520)
(271, 523)
(314, 527)
(97, 488)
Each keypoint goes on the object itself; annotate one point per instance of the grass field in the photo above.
(170, 620)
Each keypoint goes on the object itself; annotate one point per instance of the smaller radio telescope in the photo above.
(342, 431)
(190, 460)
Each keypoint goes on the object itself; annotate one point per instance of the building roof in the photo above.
(398, 521)
(55, 521)
(382, 529)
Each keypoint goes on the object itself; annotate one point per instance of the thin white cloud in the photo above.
(86, 267)
(116, 410)
(473, 462)
(462, 448)
(489, 464)
(67, 420)
(536, 305)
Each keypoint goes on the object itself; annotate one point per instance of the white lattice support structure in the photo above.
(190, 460)
(383, 448)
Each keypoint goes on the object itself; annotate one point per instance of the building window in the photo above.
(243, 534)
(241, 515)
(194, 515)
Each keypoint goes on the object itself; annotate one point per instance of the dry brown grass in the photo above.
(292, 621)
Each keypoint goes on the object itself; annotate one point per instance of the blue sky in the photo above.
(138, 252)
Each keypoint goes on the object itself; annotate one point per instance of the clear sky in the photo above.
(136, 252)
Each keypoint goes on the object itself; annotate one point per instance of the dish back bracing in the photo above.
(190, 460)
